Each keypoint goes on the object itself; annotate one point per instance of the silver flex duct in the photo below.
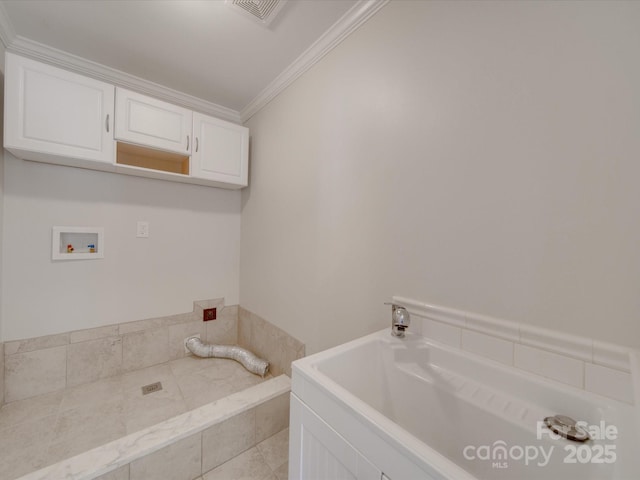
(245, 357)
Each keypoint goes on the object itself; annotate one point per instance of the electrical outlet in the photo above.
(186, 350)
(208, 314)
(142, 229)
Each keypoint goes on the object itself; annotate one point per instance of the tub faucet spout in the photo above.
(400, 319)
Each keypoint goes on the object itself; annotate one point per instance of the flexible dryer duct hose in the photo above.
(245, 357)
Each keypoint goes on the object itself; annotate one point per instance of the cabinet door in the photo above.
(221, 150)
(54, 113)
(318, 452)
(153, 123)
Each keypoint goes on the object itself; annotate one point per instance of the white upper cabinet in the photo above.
(57, 116)
(153, 123)
(220, 151)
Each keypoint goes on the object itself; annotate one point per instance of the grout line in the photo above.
(66, 368)
(201, 452)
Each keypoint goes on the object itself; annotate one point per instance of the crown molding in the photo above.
(7, 33)
(347, 24)
(44, 53)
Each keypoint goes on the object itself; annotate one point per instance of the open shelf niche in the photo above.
(152, 159)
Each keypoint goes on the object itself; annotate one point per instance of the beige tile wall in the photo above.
(202, 452)
(121, 473)
(228, 439)
(269, 342)
(1, 373)
(45, 364)
(179, 460)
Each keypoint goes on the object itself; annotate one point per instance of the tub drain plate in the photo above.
(152, 387)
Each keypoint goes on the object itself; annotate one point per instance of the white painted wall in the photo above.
(192, 252)
(478, 155)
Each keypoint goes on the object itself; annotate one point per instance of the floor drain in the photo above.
(152, 387)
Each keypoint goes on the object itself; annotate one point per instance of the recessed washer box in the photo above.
(77, 243)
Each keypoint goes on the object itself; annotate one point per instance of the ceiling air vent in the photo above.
(261, 11)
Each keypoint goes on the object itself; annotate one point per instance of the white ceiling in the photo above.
(201, 48)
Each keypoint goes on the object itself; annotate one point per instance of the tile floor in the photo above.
(42, 430)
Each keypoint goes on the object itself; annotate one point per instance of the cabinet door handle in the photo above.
(106, 123)
(187, 143)
(197, 144)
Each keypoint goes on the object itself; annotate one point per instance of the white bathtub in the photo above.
(412, 408)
